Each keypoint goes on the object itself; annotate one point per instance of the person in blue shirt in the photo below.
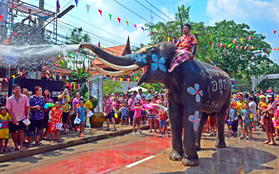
(234, 118)
(124, 111)
(81, 114)
(246, 113)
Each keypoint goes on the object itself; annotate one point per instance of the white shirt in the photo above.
(138, 97)
(253, 108)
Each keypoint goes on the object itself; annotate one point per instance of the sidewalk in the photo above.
(70, 139)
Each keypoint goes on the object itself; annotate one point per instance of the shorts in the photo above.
(65, 117)
(247, 126)
(239, 117)
(152, 116)
(109, 116)
(14, 128)
(163, 123)
(46, 118)
(143, 113)
(124, 117)
(255, 117)
(35, 124)
(137, 121)
(82, 119)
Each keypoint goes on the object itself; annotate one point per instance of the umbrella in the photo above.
(137, 88)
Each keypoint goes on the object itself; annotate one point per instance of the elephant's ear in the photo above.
(167, 50)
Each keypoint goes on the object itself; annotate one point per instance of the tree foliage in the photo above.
(245, 60)
(111, 87)
(272, 83)
(76, 36)
(238, 63)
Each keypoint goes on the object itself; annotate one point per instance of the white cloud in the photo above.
(164, 10)
(242, 9)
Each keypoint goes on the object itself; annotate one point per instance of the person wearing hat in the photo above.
(262, 106)
(239, 107)
(271, 108)
(4, 128)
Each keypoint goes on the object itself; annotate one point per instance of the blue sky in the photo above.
(261, 16)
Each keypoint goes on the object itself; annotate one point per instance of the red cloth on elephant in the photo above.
(180, 57)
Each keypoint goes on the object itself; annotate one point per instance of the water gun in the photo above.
(48, 105)
(251, 117)
(115, 112)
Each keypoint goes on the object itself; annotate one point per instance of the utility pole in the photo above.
(41, 6)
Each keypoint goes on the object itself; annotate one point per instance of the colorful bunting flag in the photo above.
(168, 39)
(87, 7)
(127, 23)
(119, 20)
(57, 7)
(257, 36)
(241, 39)
(142, 28)
(76, 2)
(135, 26)
(100, 11)
(275, 31)
(249, 38)
(233, 41)
(110, 16)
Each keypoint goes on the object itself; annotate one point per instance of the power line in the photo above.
(150, 10)
(91, 24)
(158, 10)
(132, 11)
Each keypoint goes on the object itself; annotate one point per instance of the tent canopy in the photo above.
(137, 88)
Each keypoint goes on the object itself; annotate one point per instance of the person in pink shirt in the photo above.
(143, 102)
(109, 112)
(153, 110)
(16, 105)
(137, 117)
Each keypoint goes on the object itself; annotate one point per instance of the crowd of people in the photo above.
(248, 111)
(23, 116)
(137, 108)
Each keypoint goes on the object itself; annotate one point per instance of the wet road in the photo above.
(148, 154)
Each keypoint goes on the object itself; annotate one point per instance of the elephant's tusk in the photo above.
(117, 67)
(118, 73)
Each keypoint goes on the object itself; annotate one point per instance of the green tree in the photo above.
(111, 87)
(270, 83)
(76, 37)
(244, 61)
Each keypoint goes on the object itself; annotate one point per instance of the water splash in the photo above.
(35, 50)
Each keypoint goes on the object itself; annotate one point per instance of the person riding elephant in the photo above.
(186, 47)
(196, 89)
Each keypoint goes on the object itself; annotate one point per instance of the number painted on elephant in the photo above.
(195, 119)
(214, 86)
(222, 84)
(196, 91)
(213, 104)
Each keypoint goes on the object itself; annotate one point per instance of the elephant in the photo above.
(196, 89)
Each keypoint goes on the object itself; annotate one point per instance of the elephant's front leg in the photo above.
(192, 120)
(176, 117)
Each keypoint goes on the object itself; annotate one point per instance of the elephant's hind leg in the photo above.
(220, 119)
(176, 119)
(200, 130)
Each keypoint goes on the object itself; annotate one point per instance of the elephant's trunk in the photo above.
(123, 63)
(116, 60)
